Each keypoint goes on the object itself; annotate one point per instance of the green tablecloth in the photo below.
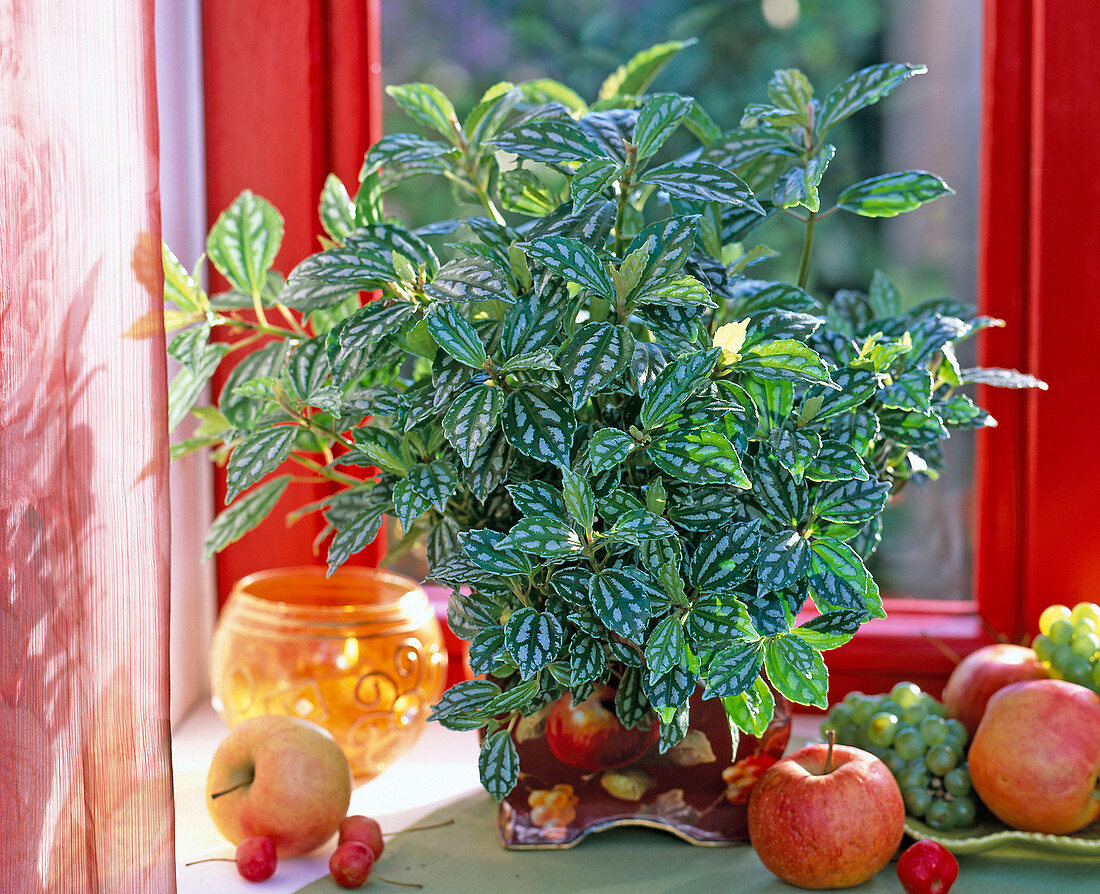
(465, 857)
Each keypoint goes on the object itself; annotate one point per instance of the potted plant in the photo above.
(634, 462)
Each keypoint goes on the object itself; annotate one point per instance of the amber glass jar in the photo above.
(359, 653)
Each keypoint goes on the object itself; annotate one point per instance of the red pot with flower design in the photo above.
(583, 772)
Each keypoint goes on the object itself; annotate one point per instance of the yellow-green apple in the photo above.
(826, 821)
(983, 672)
(280, 777)
(590, 735)
(1035, 759)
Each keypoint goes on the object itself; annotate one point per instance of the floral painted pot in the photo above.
(583, 772)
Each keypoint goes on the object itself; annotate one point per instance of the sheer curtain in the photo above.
(85, 767)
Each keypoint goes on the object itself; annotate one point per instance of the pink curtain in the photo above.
(85, 765)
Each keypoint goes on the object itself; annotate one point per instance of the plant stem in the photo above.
(807, 246)
(232, 788)
(829, 754)
(326, 473)
(449, 822)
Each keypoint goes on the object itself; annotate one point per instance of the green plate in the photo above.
(992, 834)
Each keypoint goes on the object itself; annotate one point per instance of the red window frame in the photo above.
(275, 91)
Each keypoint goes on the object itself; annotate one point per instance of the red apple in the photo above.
(1035, 760)
(590, 735)
(819, 825)
(282, 778)
(982, 673)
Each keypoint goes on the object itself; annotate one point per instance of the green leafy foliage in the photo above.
(632, 463)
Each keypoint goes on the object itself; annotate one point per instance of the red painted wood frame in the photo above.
(1038, 473)
(292, 93)
(274, 91)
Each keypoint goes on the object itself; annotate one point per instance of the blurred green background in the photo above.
(930, 123)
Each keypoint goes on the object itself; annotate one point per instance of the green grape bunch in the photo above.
(1069, 643)
(906, 729)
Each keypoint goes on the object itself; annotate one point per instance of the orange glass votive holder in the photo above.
(360, 653)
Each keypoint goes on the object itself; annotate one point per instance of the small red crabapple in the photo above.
(350, 864)
(256, 858)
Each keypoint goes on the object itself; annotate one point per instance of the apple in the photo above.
(821, 820)
(983, 672)
(280, 777)
(1035, 758)
(591, 736)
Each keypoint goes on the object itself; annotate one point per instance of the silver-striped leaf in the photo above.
(595, 355)
(699, 457)
(456, 335)
(534, 639)
(675, 384)
(437, 481)
(733, 669)
(235, 521)
(796, 450)
(539, 424)
(657, 120)
(548, 141)
(666, 646)
(835, 461)
(725, 557)
(537, 498)
(851, 502)
(592, 178)
(841, 580)
(785, 359)
(608, 448)
(866, 87)
(484, 548)
(579, 499)
(257, 455)
(699, 181)
(622, 599)
(783, 560)
(471, 278)
(408, 504)
(544, 536)
(572, 259)
(498, 764)
(471, 419)
(797, 670)
(244, 241)
(889, 195)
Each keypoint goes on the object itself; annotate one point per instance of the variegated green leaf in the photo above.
(657, 120)
(733, 669)
(544, 536)
(455, 335)
(797, 670)
(537, 498)
(661, 249)
(188, 383)
(831, 629)
(436, 481)
(484, 548)
(862, 89)
(488, 651)
(752, 710)
(471, 419)
(427, 105)
(353, 339)
(579, 499)
(796, 450)
(716, 619)
(701, 457)
(540, 424)
(841, 580)
(622, 599)
(640, 526)
(785, 359)
(517, 697)
(397, 150)
(534, 639)
(851, 502)
(357, 528)
(573, 260)
(470, 279)
(336, 209)
(666, 646)
(667, 691)
(631, 705)
(548, 141)
(408, 504)
(682, 290)
(608, 448)
(235, 521)
(725, 557)
(799, 185)
(498, 764)
(891, 194)
(836, 461)
(633, 77)
(489, 466)
(790, 89)
(257, 455)
(675, 384)
(783, 560)
(587, 659)
(592, 178)
(541, 359)
(701, 182)
(244, 241)
(596, 355)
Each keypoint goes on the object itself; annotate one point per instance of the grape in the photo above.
(1084, 625)
(935, 709)
(909, 743)
(1043, 647)
(1096, 676)
(853, 698)
(1051, 614)
(906, 694)
(862, 711)
(934, 729)
(841, 714)
(956, 736)
(963, 811)
(917, 801)
(894, 761)
(1061, 631)
(881, 728)
(939, 815)
(1077, 670)
(1089, 610)
(1085, 644)
(846, 735)
(914, 776)
(941, 759)
(957, 781)
(915, 713)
